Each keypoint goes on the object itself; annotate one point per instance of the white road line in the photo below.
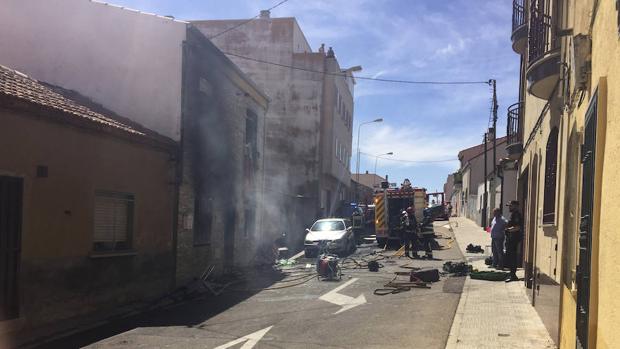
(343, 300)
(250, 340)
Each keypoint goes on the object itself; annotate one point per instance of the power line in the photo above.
(246, 22)
(412, 161)
(359, 77)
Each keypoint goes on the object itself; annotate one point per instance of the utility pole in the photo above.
(484, 198)
(495, 172)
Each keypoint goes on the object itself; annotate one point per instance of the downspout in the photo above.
(179, 165)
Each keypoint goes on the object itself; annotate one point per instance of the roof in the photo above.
(368, 179)
(17, 87)
(469, 153)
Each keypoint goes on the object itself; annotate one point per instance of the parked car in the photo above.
(336, 234)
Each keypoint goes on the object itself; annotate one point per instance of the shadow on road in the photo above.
(190, 313)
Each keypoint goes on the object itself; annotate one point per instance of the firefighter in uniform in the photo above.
(408, 226)
(425, 239)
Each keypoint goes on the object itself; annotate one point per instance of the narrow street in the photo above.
(298, 316)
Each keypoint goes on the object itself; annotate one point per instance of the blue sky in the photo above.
(400, 39)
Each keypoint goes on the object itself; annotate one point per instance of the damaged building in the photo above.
(309, 121)
(164, 76)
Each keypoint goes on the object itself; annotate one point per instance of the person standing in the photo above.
(514, 235)
(408, 231)
(498, 225)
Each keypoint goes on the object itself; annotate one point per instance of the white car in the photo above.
(335, 233)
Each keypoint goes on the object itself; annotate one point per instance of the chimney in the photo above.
(265, 14)
(330, 53)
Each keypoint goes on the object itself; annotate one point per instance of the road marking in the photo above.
(250, 340)
(343, 300)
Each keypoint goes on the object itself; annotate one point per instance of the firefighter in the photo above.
(408, 231)
(424, 239)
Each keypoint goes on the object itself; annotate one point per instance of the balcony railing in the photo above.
(541, 38)
(518, 14)
(513, 133)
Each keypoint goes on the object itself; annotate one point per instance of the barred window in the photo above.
(551, 165)
(113, 223)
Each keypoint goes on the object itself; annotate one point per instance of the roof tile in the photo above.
(18, 85)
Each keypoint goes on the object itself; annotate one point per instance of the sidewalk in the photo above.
(492, 314)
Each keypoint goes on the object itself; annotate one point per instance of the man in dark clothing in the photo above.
(514, 235)
(425, 239)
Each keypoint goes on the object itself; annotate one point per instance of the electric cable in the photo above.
(245, 22)
(413, 161)
(358, 77)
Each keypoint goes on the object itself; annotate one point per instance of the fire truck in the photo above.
(390, 203)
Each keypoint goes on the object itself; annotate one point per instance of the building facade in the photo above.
(309, 121)
(467, 194)
(561, 132)
(166, 76)
(87, 206)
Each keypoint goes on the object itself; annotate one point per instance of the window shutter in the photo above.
(112, 218)
(104, 219)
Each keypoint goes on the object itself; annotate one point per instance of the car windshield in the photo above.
(328, 226)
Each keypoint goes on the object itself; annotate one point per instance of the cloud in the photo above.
(414, 144)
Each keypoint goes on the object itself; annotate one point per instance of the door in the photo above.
(523, 199)
(530, 229)
(10, 245)
(588, 157)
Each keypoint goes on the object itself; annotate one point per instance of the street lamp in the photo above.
(375, 172)
(357, 166)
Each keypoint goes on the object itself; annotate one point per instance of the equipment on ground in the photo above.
(373, 266)
(425, 275)
(474, 248)
(328, 267)
(458, 269)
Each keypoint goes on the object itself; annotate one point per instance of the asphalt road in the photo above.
(306, 315)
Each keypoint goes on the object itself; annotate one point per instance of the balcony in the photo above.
(543, 69)
(514, 133)
(519, 27)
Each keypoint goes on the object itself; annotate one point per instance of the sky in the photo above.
(421, 40)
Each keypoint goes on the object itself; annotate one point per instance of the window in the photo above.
(327, 226)
(551, 164)
(251, 137)
(113, 221)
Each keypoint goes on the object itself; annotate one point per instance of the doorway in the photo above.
(11, 189)
(583, 275)
(530, 265)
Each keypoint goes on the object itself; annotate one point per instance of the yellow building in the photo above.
(561, 132)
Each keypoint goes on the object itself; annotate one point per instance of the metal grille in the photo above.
(551, 165)
(513, 132)
(541, 38)
(518, 14)
(585, 226)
